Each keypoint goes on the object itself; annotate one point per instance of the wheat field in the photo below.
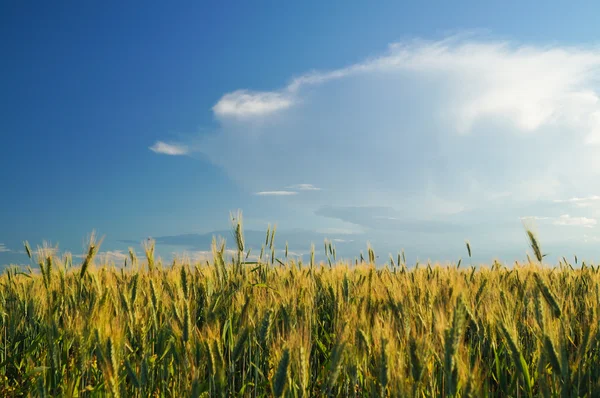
(278, 327)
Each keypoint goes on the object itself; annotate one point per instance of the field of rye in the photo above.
(280, 327)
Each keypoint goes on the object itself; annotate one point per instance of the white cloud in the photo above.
(245, 104)
(338, 240)
(427, 119)
(563, 220)
(567, 220)
(304, 187)
(169, 149)
(530, 86)
(289, 191)
(533, 218)
(194, 256)
(580, 202)
(3, 248)
(438, 130)
(201, 256)
(276, 193)
(112, 256)
(340, 231)
(108, 256)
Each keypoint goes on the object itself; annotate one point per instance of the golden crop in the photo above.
(277, 327)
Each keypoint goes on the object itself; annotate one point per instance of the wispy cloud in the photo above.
(246, 104)
(304, 187)
(276, 193)
(567, 220)
(3, 248)
(338, 240)
(108, 256)
(169, 149)
(206, 255)
(580, 202)
(116, 256)
(564, 220)
(289, 190)
(533, 218)
(340, 231)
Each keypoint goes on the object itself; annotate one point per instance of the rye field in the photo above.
(277, 327)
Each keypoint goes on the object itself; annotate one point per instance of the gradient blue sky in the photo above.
(419, 124)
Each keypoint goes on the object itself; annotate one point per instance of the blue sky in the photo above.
(409, 125)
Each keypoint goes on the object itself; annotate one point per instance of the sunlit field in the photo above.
(280, 327)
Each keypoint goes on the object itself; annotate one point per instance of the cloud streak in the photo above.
(564, 220)
(161, 147)
(304, 187)
(290, 190)
(247, 104)
(567, 220)
(276, 193)
(581, 202)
